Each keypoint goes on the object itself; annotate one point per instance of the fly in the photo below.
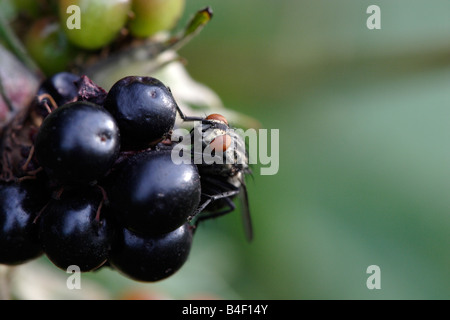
(222, 162)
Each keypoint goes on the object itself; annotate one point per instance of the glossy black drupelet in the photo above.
(61, 87)
(152, 195)
(78, 143)
(144, 109)
(71, 233)
(19, 206)
(150, 257)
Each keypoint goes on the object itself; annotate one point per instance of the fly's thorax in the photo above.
(210, 134)
(218, 149)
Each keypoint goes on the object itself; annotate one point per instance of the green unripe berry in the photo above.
(151, 16)
(48, 46)
(99, 21)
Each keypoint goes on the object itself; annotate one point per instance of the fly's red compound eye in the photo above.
(217, 117)
(221, 143)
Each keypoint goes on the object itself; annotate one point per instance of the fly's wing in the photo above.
(245, 212)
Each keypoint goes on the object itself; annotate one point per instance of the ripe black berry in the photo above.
(150, 258)
(73, 233)
(78, 142)
(119, 199)
(144, 109)
(151, 194)
(19, 206)
(61, 87)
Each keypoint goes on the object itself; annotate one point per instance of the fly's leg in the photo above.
(211, 198)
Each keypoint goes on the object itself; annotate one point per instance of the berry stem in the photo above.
(40, 213)
(100, 206)
(31, 175)
(43, 100)
(27, 162)
(56, 195)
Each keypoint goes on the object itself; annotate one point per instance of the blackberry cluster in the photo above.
(87, 179)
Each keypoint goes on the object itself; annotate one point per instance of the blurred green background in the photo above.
(364, 176)
(364, 120)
